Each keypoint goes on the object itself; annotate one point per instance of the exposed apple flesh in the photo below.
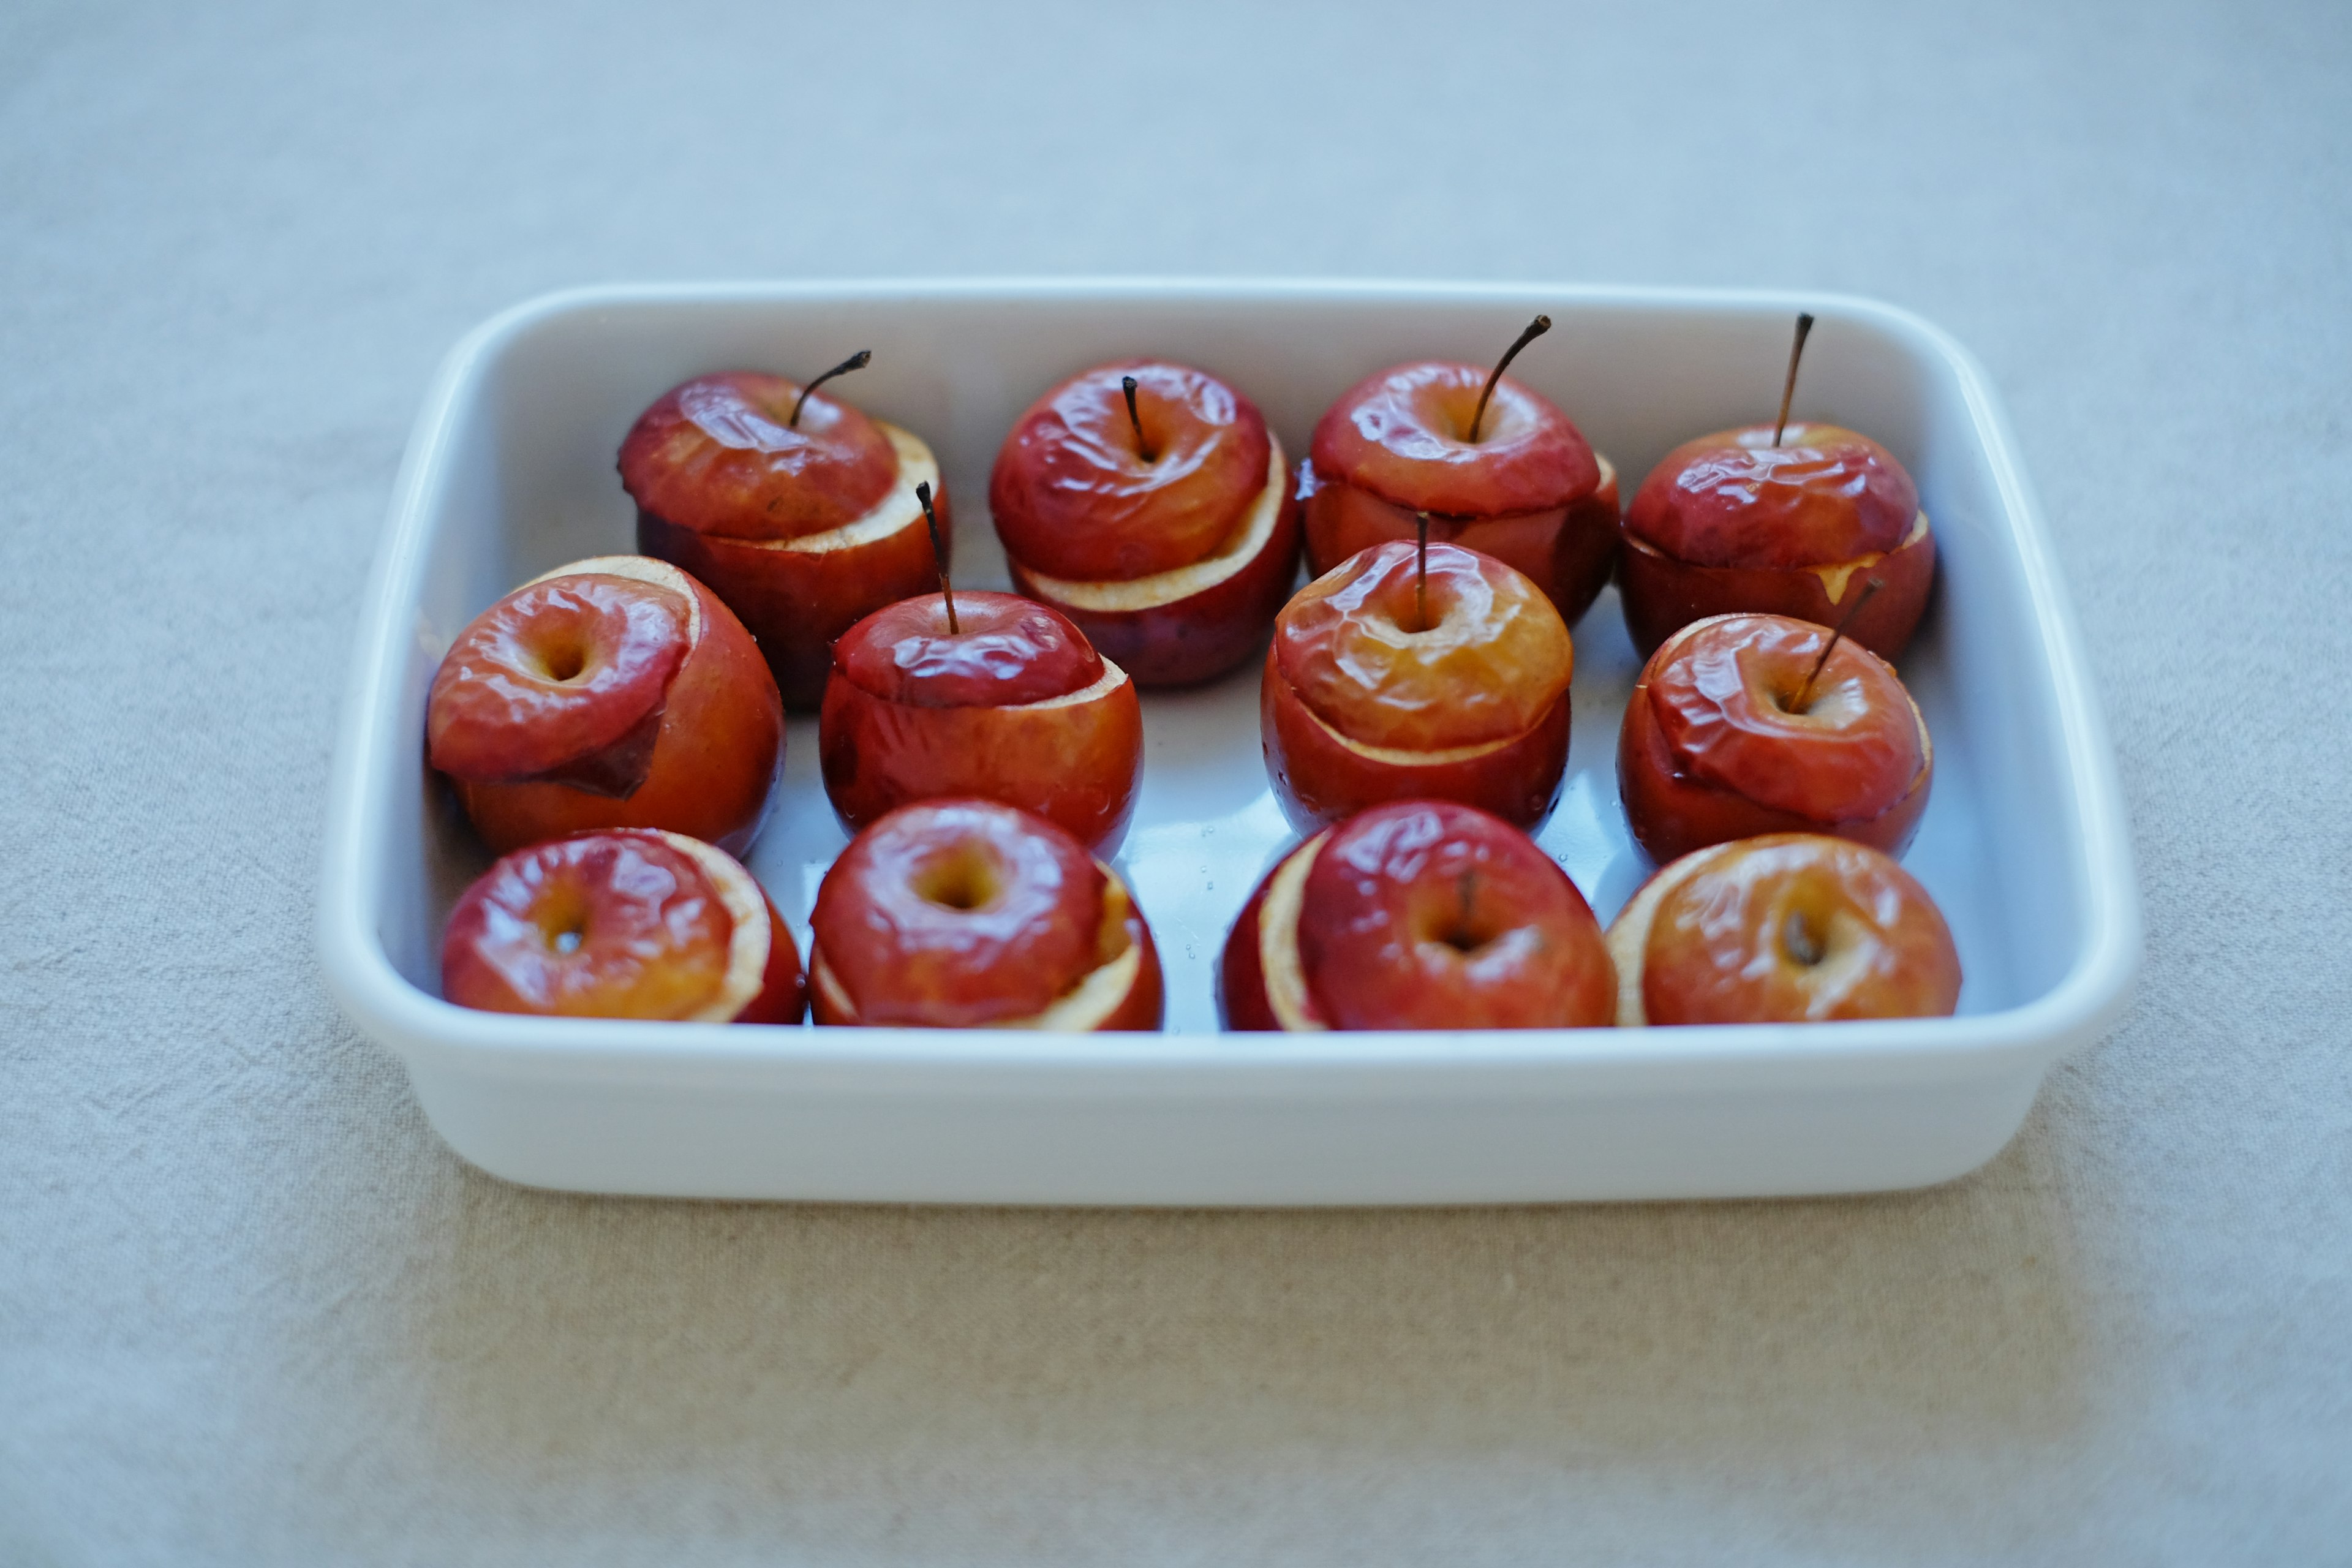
(1661, 594)
(1189, 623)
(721, 454)
(1788, 928)
(1713, 747)
(797, 594)
(629, 923)
(613, 692)
(967, 914)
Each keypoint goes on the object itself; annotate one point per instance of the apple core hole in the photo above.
(962, 881)
(564, 661)
(562, 922)
(1803, 944)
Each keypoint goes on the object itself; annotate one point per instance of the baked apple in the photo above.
(1416, 915)
(1788, 928)
(1496, 467)
(1387, 681)
(1742, 725)
(798, 510)
(626, 923)
(969, 914)
(1008, 704)
(1149, 504)
(614, 692)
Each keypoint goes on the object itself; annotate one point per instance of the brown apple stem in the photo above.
(939, 554)
(1788, 387)
(857, 360)
(1142, 449)
(1805, 692)
(1536, 329)
(1420, 571)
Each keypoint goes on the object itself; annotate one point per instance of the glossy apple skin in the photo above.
(1718, 944)
(1075, 759)
(655, 940)
(715, 757)
(718, 455)
(1673, 808)
(964, 913)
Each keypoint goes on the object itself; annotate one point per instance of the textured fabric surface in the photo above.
(252, 1312)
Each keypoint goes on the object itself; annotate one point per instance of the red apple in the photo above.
(1788, 928)
(1730, 523)
(1168, 536)
(626, 923)
(1417, 915)
(1014, 707)
(969, 914)
(1529, 491)
(1364, 703)
(800, 529)
(614, 692)
(1715, 746)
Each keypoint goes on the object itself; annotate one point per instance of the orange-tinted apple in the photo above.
(1729, 733)
(1730, 523)
(626, 923)
(1011, 705)
(614, 692)
(969, 914)
(1788, 928)
(1526, 490)
(1417, 915)
(1165, 528)
(801, 527)
(1380, 685)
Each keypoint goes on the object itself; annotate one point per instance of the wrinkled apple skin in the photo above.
(982, 650)
(1662, 596)
(1672, 811)
(1567, 550)
(1142, 1010)
(717, 455)
(1398, 435)
(716, 760)
(1242, 1001)
(1734, 499)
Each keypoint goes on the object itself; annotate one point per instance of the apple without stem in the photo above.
(628, 923)
(1713, 749)
(1015, 708)
(614, 692)
(1416, 915)
(1731, 523)
(800, 530)
(1530, 491)
(969, 914)
(1788, 928)
(1361, 703)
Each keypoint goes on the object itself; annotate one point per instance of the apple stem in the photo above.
(1536, 329)
(1805, 692)
(939, 554)
(1420, 571)
(1788, 387)
(857, 360)
(1143, 449)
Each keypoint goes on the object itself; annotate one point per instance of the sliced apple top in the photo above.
(959, 913)
(1006, 650)
(566, 675)
(1075, 494)
(1725, 693)
(721, 454)
(1733, 499)
(1491, 660)
(1427, 914)
(1404, 434)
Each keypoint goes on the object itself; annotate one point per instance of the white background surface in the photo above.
(251, 1312)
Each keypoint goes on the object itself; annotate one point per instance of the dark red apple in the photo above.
(1788, 928)
(1012, 706)
(614, 692)
(1723, 739)
(969, 914)
(1364, 701)
(626, 923)
(800, 528)
(1417, 915)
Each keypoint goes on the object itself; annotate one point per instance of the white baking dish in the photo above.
(510, 471)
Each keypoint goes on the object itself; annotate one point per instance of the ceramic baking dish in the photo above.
(511, 472)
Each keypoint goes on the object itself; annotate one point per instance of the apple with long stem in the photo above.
(795, 507)
(1488, 463)
(1786, 519)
